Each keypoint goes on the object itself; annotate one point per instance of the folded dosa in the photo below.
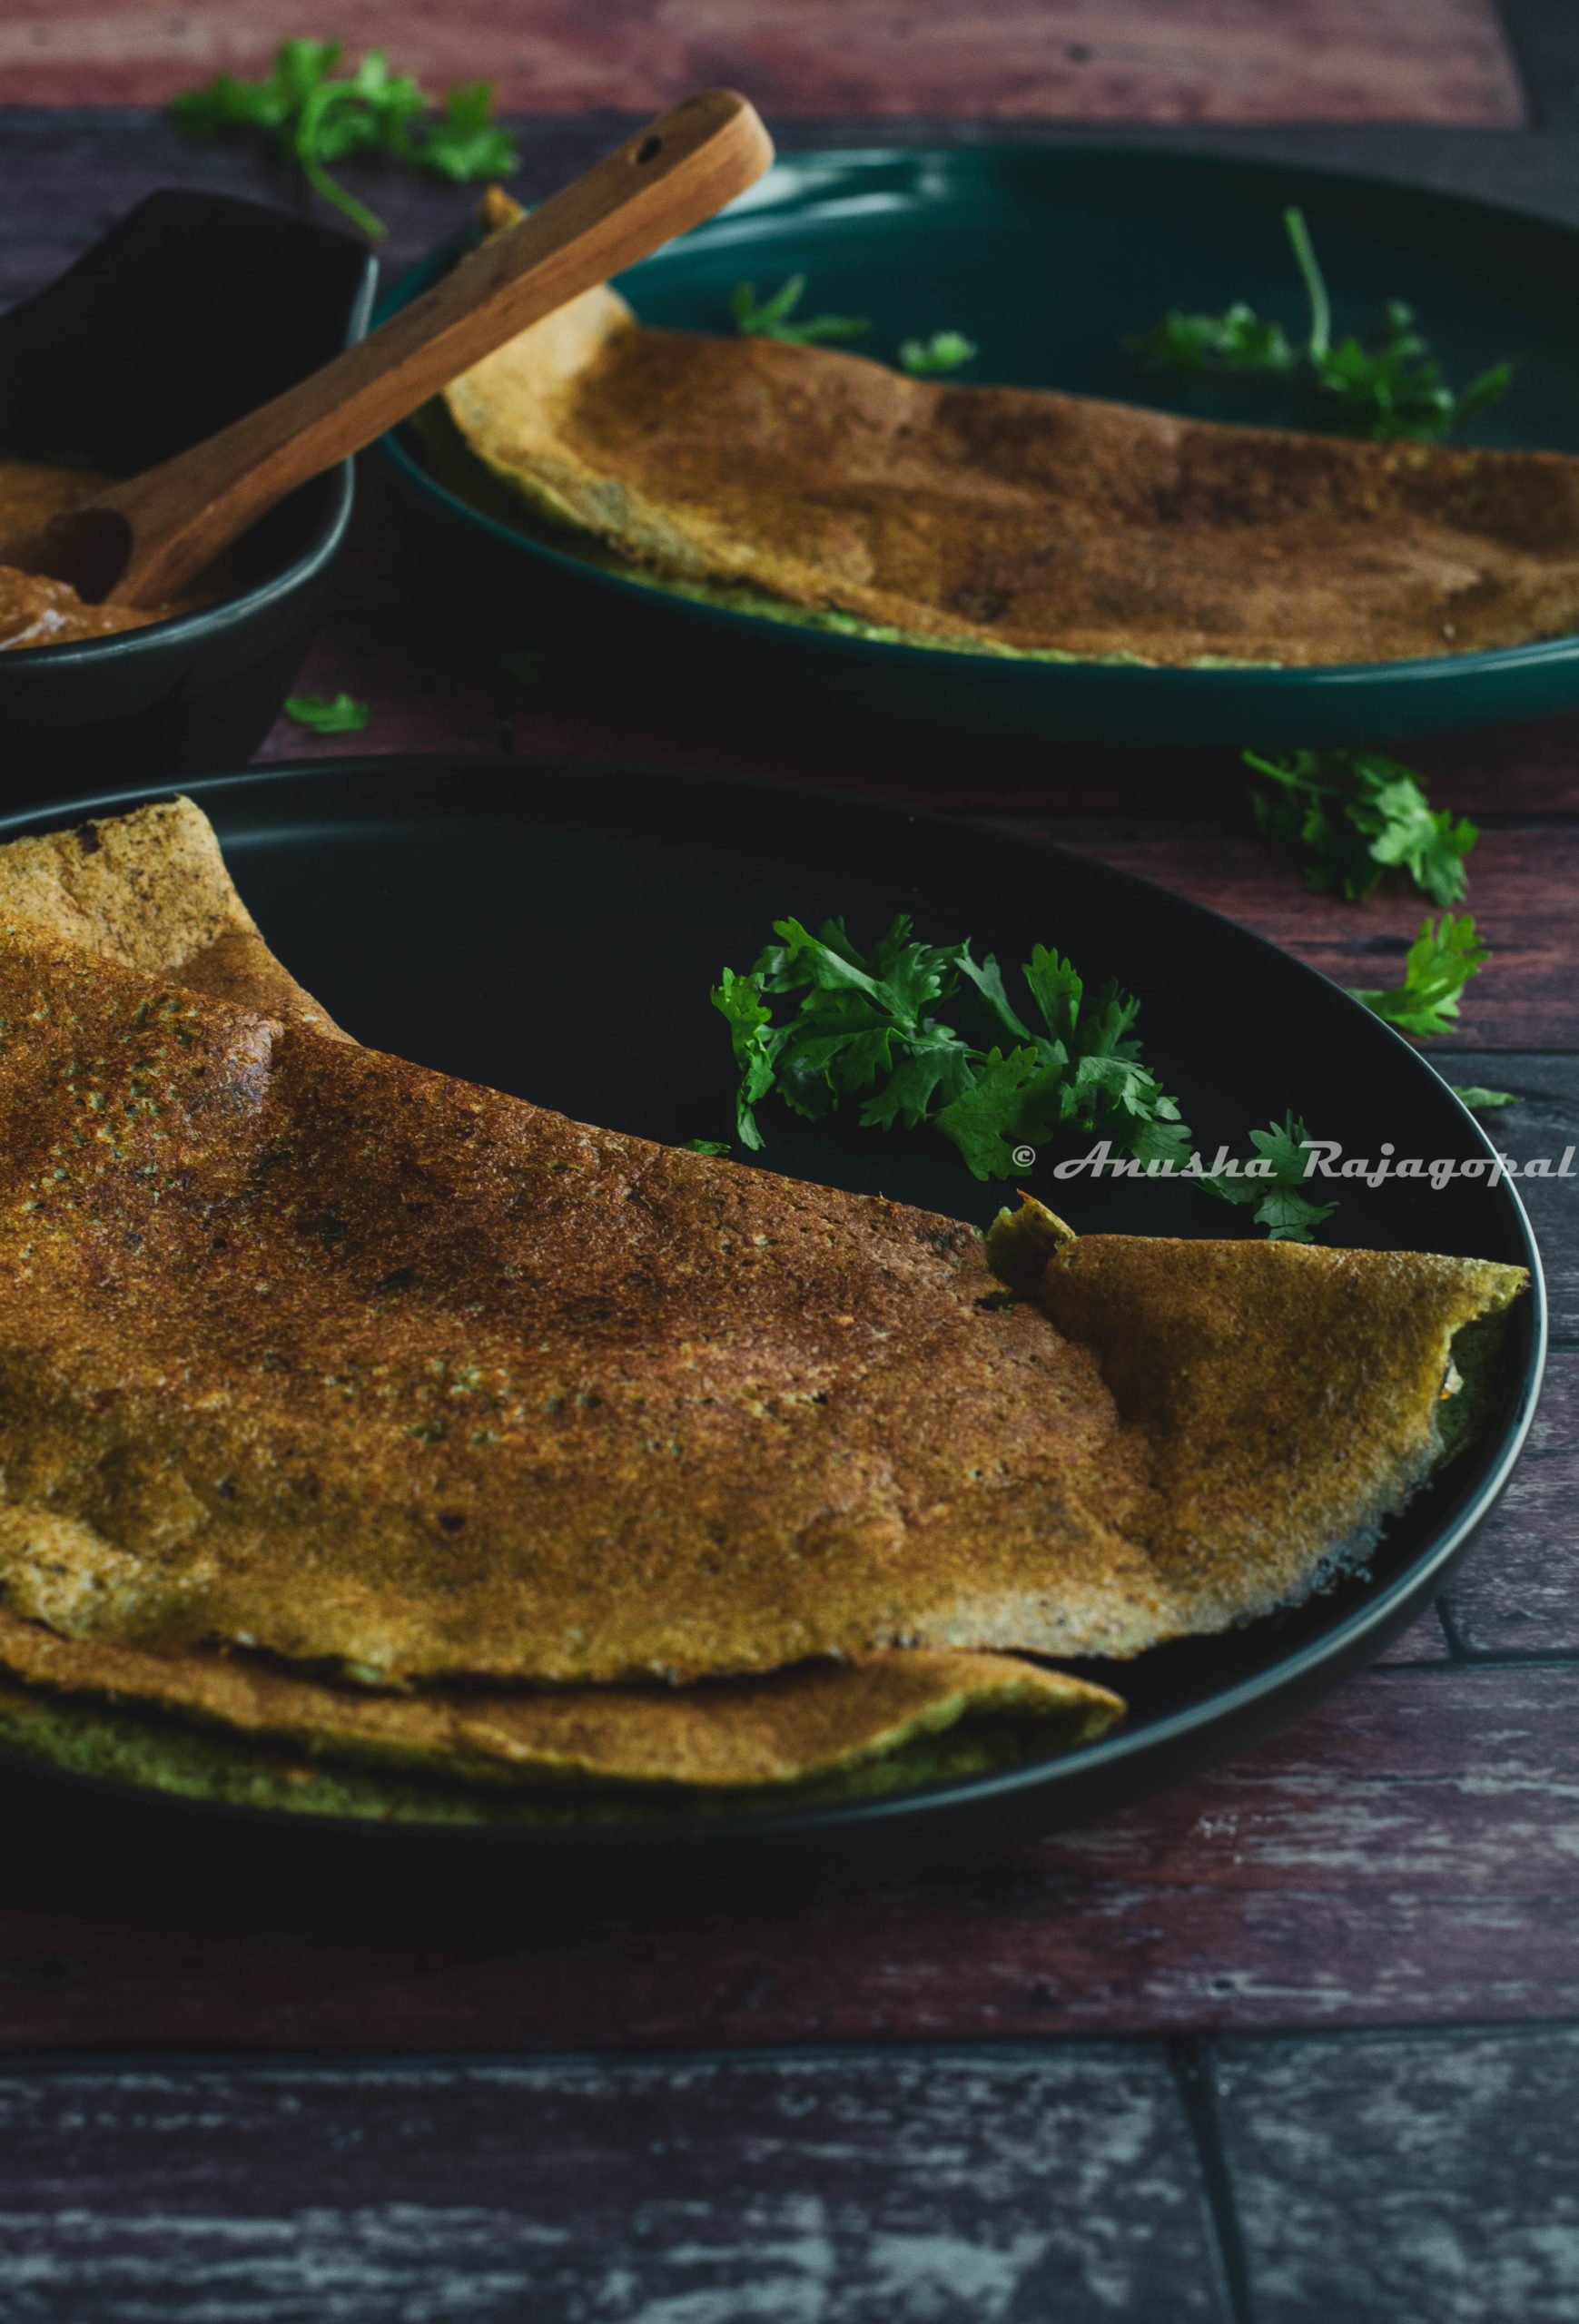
(812, 1719)
(316, 1353)
(77, 1734)
(150, 890)
(831, 487)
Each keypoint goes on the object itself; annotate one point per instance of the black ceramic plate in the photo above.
(553, 930)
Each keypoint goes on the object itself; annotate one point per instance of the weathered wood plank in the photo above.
(420, 698)
(1410, 1852)
(1423, 2180)
(1519, 1593)
(1523, 882)
(1545, 1122)
(1530, 769)
(1524, 772)
(68, 177)
(872, 2190)
(1207, 60)
(1424, 1641)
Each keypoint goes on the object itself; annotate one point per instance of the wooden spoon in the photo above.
(137, 543)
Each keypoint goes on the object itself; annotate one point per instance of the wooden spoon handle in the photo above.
(672, 175)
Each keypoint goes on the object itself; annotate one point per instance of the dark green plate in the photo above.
(1048, 259)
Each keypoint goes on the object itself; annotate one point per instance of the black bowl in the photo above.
(195, 309)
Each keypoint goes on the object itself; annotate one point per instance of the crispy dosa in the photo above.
(150, 891)
(75, 1734)
(736, 1733)
(315, 1354)
(829, 488)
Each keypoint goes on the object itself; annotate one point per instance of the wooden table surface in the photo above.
(1295, 2043)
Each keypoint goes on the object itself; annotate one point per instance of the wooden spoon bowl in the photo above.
(138, 542)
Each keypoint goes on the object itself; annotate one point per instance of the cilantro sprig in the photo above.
(867, 1025)
(315, 119)
(1357, 816)
(342, 715)
(774, 318)
(929, 358)
(1440, 962)
(1238, 341)
(770, 318)
(1391, 390)
(1288, 1214)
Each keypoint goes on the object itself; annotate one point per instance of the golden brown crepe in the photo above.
(361, 1413)
(150, 890)
(727, 1733)
(314, 1351)
(1013, 518)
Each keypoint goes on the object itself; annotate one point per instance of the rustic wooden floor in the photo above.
(1088, 60)
(1296, 2042)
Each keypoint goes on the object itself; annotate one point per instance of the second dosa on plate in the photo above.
(817, 484)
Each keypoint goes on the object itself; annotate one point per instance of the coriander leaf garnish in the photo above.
(344, 715)
(1288, 1214)
(865, 1026)
(1235, 341)
(315, 119)
(467, 143)
(527, 664)
(1357, 815)
(1391, 390)
(705, 1145)
(929, 359)
(1441, 961)
(923, 359)
(771, 319)
(1482, 1101)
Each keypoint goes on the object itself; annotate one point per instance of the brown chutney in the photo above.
(33, 609)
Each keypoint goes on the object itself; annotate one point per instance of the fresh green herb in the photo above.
(1390, 391)
(1235, 341)
(467, 143)
(923, 359)
(1357, 815)
(1441, 961)
(929, 359)
(704, 1146)
(1393, 391)
(1288, 1214)
(527, 664)
(866, 1023)
(772, 319)
(343, 716)
(315, 120)
(1482, 1101)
